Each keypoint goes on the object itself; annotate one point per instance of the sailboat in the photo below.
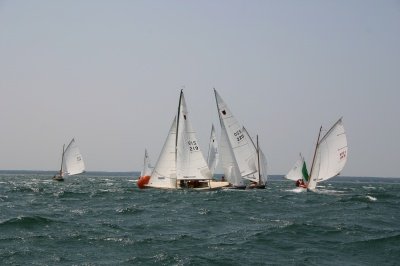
(299, 173)
(213, 153)
(181, 163)
(241, 158)
(330, 157)
(71, 162)
(146, 171)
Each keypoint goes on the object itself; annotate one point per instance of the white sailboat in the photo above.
(299, 173)
(71, 162)
(213, 153)
(330, 156)
(146, 170)
(241, 158)
(181, 163)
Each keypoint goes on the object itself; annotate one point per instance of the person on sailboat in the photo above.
(300, 183)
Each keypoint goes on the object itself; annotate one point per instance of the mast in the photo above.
(258, 163)
(62, 160)
(176, 137)
(315, 152)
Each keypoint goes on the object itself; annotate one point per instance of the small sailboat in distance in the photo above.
(330, 157)
(146, 171)
(299, 173)
(71, 162)
(213, 154)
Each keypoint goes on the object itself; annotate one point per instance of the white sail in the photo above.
(190, 162)
(73, 162)
(253, 160)
(240, 143)
(229, 165)
(331, 155)
(164, 172)
(213, 154)
(263, 168)
(147, 168)
(296, 172)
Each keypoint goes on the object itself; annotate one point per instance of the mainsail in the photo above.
(330, 155)
(72, 162)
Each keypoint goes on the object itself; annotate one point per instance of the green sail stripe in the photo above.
(305, 172)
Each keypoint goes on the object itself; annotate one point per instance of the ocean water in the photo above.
(103, 219)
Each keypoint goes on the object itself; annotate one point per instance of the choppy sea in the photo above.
(103, 219)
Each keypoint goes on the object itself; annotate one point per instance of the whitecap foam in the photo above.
(297, 190)
(371, 198)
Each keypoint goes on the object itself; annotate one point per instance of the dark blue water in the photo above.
(103, 219)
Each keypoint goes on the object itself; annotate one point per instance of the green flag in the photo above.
(305, 172)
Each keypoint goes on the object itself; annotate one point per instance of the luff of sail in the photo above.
(330, 156)
(73, 162)
(190, 162)
(164, 172)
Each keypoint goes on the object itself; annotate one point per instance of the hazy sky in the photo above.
(109, 74)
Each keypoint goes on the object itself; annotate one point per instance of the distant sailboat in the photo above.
(71, 162)
(330, 157)
(241, 157)
(299, 173)
(181, 163)
(213, 154)
(146, 171)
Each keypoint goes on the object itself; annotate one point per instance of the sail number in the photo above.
(342, 155)
(193, 145)
(239, 135)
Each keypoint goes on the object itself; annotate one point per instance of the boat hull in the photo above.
(58, 178)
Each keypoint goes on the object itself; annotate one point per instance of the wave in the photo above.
(129, 210)
(389, 240)
(371, 198)
(360, 198)
(26, 221)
